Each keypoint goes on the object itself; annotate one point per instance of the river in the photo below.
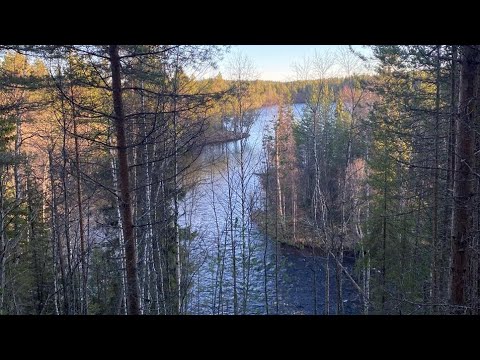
(267, 277)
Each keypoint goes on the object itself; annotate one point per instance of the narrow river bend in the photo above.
(269, 277)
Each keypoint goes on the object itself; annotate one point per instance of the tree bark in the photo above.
(463, 188)
(447, 217)
(384, 241)
(83, 254)
(435, 243)
(124, 185)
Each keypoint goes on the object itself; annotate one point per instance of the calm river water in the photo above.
(269, 277)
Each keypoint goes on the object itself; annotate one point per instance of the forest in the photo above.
(131, 183)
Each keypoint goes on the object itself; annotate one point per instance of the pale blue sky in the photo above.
(274, 62)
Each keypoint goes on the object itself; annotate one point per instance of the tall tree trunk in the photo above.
(3, 244)
(463, 196)
(384, 242)
(48, 180)
(278, 209)
(366, 252)
(435, 245)
(66, 218)
(232, 236)
(444, 292)
(265, 269)
(122, 298)
(83, 254)
(56, 239)
(277, 175)
(124, 185)
(178, 265)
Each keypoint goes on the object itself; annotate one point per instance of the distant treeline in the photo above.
(266, 92)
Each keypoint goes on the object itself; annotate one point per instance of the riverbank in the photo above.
(283, 232)
(299, 235)
(213, 137)
(302, 240)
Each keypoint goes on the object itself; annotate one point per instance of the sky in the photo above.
(274, 62)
